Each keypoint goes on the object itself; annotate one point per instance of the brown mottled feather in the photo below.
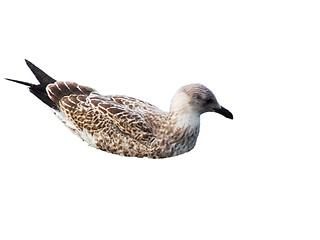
(85, 110)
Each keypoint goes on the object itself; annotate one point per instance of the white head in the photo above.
(197, 99)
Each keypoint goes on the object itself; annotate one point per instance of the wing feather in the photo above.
(90, 111)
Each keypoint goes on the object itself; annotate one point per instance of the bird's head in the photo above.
(198, 99)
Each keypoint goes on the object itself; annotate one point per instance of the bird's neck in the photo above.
(184, 128)
(180, 132)
(184, 120)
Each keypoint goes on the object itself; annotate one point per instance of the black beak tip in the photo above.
(224, 112)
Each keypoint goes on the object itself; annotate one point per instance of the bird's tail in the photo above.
(39, 90)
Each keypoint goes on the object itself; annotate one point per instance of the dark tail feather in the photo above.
(20, 82)
(39, 90)
(41, 93)
(43, 78)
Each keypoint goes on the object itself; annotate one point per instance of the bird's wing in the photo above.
(135, 104)
(88, 110)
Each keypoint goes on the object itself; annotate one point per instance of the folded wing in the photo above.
(89, 111)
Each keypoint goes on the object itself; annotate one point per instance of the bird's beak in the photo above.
(224, 112)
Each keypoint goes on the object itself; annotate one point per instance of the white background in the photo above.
(256, 177)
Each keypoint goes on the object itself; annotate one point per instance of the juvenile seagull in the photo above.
(125, 125)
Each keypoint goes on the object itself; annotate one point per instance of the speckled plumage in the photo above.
(125, 125)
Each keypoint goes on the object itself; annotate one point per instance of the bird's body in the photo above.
(120, 124)
(125, 125)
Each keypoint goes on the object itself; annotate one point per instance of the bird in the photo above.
(125, 125)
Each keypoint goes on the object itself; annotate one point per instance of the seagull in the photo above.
(124, 125)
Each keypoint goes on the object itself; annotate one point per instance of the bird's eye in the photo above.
(209, 101)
